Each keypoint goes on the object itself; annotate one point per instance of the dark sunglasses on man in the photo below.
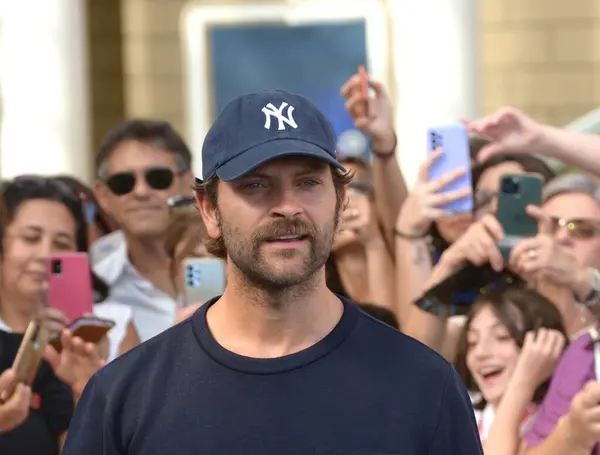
(157, 178)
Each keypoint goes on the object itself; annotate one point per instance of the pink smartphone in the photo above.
(70, 284)
(364, 81)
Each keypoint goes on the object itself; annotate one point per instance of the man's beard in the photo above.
(248, 255)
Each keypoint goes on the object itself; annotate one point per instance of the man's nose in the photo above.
(286, 203)
(44, 249)
(141, 189)
(562, 236)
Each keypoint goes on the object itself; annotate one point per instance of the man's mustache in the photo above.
(282, 228)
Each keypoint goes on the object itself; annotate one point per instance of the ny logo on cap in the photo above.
(271, 111)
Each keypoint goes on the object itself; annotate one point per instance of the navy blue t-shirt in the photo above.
(364, 389)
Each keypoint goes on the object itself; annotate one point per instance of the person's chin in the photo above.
(494, 394)
(147, 229)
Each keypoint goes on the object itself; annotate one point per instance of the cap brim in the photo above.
(261, 154)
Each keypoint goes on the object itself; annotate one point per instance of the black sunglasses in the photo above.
(158, 178)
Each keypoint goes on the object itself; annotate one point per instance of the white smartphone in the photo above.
(204, 279)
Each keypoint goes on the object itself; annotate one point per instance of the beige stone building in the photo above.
(542, 56)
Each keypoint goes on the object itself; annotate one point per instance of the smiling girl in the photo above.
(511, 345)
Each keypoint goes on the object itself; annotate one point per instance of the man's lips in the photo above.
(287, 240)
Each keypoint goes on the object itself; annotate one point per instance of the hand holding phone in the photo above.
(517, 191)
(70, 284)
(28, 358)
(89, 329)
(13, 411)
(453, 140)
(364, 82)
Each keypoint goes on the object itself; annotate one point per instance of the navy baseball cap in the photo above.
(258, 127)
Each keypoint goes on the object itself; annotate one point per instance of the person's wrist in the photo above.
(523, 381)
(544, 141)
(385, 144)
(411, 229)
(571, 436)
(374, 241)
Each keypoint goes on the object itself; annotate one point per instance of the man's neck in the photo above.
(150, 259)
(252, 322)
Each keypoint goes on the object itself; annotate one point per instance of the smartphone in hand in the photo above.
(204, 279)
(70, 284)
(89, 329)
(29, 356)
(453, 140)
(364, 81)
(517, 191)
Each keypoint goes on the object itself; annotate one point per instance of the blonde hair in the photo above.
(185, 232)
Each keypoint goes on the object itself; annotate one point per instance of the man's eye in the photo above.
(254, 185)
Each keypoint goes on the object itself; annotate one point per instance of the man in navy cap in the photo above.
(278, 364)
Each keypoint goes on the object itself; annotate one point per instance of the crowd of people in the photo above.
(522, 364)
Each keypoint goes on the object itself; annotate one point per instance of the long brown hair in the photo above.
(16, 192)
(520, 310)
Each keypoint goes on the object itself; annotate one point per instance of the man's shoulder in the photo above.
(402, 351)
(153, 356)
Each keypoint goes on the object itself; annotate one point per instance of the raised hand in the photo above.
(479, 245)
(422, 206)
(581, 425)
(539, 356)
(373, 116)
(541, 258)
(510, 131)
(76, 363)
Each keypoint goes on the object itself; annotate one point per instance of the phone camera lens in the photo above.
(56, 267)
(511, 185)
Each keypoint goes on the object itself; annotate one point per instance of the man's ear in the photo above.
(208, 211)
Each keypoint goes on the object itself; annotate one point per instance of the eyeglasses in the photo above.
(158, 178)
(580, 228)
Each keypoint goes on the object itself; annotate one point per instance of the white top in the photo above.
(485, 418)
(119, 314)
(153, 311)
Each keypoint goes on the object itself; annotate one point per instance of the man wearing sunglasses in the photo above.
(278, 364)
(567, 250)
(140, 165)
(571, 216)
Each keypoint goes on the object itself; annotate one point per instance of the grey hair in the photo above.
(572, 183)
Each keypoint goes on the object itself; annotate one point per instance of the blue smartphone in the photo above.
(454, 141)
